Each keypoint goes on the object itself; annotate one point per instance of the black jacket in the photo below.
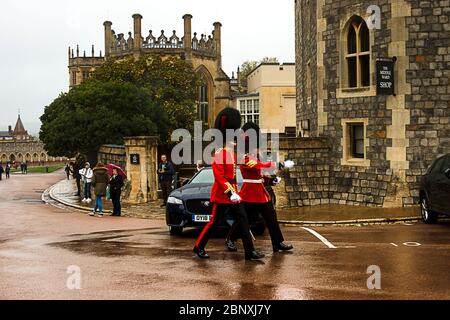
(116, 183)
(168, 171)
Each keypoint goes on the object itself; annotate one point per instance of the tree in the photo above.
(150, 96)
(171, 83)
(97, 113)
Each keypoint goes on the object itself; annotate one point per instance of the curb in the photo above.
(50, 193)
(352, 222)
(68, 204)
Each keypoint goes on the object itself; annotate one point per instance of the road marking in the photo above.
(394, 244)
(320, 237)
(412, 244)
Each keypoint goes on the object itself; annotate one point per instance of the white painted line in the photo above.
(320, 237)
(412, 244)
(394, 244)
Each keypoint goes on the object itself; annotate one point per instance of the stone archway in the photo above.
(12, 157)
(19, 157)
(27, 157)
(43, 157)
(35, 157)
(4, 158)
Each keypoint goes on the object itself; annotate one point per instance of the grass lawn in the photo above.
(41, 169)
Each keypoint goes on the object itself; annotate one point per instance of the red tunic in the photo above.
(251, 170)
(225, 183)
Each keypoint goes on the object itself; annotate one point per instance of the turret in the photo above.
(188, 36)
(218, 42)
(108, 38)
(137, 44)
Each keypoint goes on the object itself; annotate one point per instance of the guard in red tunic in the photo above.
(255, 195)
(224, 193)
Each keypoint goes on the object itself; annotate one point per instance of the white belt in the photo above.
(253, 181)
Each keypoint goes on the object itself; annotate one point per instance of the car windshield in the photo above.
(206, 176)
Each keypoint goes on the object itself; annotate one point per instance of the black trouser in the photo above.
(7, 175)
(115, 198)
(238, 212)
(269, 215)
(166, 187)
(78, 187)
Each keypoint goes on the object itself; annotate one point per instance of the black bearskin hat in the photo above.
(228, 118)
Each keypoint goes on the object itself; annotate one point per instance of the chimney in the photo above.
(188, 36)
(137, 32)
(217, 39)
(9, 129)
(108, 37)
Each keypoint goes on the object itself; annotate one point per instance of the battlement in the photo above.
(135, 42)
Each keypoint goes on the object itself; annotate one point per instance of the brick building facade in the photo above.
(378, 145)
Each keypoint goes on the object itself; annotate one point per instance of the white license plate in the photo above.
(202, 218)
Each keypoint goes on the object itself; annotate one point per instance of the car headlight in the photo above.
(174, 200)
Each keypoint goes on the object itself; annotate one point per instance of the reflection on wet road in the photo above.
(123, 258)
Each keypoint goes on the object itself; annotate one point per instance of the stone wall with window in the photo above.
(379, 145)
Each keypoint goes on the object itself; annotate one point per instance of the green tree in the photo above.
(97, 113)
(150, 96)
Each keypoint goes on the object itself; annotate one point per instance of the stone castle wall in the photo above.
(404, 133)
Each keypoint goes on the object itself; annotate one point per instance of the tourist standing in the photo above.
(77, 166)
(7, 170)
(115, 189)
(100, 181)
(165, 175)
(67, 170)
(86, 175)
(1, 171)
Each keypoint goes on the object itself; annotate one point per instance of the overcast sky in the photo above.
(35, 36)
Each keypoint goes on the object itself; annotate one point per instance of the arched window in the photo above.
(205, 98)
(203, 102)
(357, 54)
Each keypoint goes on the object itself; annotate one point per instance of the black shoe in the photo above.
(201, 253)
(282, 247)
(255, 255)
(231, 245)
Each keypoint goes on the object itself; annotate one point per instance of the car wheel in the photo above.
(175, 231)
(428, 215)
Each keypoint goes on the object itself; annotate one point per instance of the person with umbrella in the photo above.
(115, 187)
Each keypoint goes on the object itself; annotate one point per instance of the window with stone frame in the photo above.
(357, 54)
(249, 109)
(74, 78)
(86, 75)
(203, 104)
(355, 142)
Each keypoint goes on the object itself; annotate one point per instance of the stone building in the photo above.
(202, 51)
(372, 147)
(270, 98)
(17, 146)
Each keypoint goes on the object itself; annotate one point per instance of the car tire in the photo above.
(175, 231)
(428, 216)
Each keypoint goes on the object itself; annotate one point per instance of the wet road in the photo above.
(125, 258)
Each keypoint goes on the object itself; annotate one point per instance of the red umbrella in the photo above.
(120, 171)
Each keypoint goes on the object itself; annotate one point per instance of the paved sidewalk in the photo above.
(65, 193)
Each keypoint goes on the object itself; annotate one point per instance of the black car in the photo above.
(189, 206)
(435, 190)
